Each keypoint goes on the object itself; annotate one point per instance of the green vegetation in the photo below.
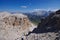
(35, 22)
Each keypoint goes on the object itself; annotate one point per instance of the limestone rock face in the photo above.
(42, 36)
(14, 26)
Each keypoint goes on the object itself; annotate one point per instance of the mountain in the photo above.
(50, 25)
(19, 26)
(14, 26)
(36, 16)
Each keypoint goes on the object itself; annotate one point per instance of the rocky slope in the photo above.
(42, 36)
(48, 29)
(14, 26)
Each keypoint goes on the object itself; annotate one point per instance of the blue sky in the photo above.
(28, 5)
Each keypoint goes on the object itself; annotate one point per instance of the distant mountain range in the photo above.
(36, 16)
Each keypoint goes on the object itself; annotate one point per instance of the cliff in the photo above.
(50, 27)
(14, 26)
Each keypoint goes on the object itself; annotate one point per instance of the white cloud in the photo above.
(39, 10)
(49, 9)
(54, 9)
(23, 6)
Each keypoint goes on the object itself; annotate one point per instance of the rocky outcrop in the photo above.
(50, 24)
(42, 36)
(14, 26)
(48, 29)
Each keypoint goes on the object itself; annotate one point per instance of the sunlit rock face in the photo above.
(14, 26)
